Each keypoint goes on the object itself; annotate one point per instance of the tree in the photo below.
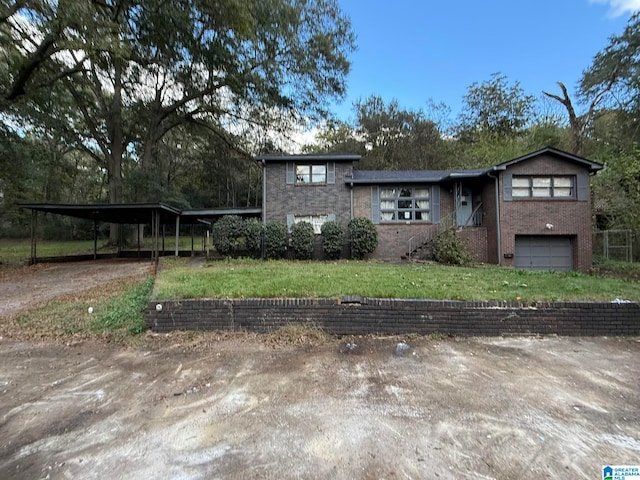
(37, 37)
(137, 70)
(612, 85)
(614, 75)
(337, 136)
(396, 138)
(577, 123)
(495, 107)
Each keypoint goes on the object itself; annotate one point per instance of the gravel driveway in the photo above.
(479, 408)
(23, 288)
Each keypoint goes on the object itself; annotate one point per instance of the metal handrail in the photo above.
(475, 217)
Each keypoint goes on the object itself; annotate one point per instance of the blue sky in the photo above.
(416, 50)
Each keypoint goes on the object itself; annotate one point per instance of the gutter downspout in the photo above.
(351, 194)
(499, 240)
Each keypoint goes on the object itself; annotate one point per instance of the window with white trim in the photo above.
(404, 204)
(555, 186)
(309, 173)
(316, 221)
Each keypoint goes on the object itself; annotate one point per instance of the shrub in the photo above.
(228, 235)
(275, 240)
(253, 230)
(449, 248)
(302, 236)
(363, 237)
(332, 239)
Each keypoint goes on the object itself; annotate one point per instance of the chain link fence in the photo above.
(621, 245)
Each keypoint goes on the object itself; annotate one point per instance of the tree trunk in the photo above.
(116, 147)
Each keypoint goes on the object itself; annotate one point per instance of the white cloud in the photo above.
(620, 7)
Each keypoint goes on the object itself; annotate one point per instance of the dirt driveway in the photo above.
(454, 408)
(22, 288)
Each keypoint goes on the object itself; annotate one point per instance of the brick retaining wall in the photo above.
(359, 316)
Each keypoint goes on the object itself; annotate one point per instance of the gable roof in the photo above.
(312, 157)
(554, 152)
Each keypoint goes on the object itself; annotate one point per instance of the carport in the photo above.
(156, 215)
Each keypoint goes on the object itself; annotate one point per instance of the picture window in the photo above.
(403, 204)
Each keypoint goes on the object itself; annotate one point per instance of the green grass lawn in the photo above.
(247, 278)
(118, 311)
(16, 252)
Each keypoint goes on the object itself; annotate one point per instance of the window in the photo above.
(311, 174)
(403, 204)
(543, 187)
(315, 220)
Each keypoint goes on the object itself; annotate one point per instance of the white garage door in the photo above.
(544, 252)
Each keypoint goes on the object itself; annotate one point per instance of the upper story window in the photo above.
(306, 173)
(555, 186)
(403, 204)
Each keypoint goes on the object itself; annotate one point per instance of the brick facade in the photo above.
(569, 217)
(492, 240)
(475, 239)
(393, 237)
(282, 199)
(396, 317)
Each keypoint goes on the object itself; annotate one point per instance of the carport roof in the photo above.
(134, 213)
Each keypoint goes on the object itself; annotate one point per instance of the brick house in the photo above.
(530, 212)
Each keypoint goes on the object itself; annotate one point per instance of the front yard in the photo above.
(249, 279)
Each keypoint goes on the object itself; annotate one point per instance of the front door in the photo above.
(464, 206)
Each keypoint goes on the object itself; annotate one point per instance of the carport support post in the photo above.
(192, 227)
(177, 234)
(95, 239)
(154, 239)
(34, 228)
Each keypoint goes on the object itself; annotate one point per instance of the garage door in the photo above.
(544, 253)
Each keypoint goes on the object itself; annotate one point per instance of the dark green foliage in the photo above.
(449, 248)
(363, 237)
(275, 240)
(228, 235)
(332, 240)
(495, 107)
(302, 236)
(253, 230)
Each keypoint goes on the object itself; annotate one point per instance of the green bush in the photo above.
(275, 240)
(229, 235)
(449, 248)
(363, 237)
(253, 230)
(302, 236)
(332, 239)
